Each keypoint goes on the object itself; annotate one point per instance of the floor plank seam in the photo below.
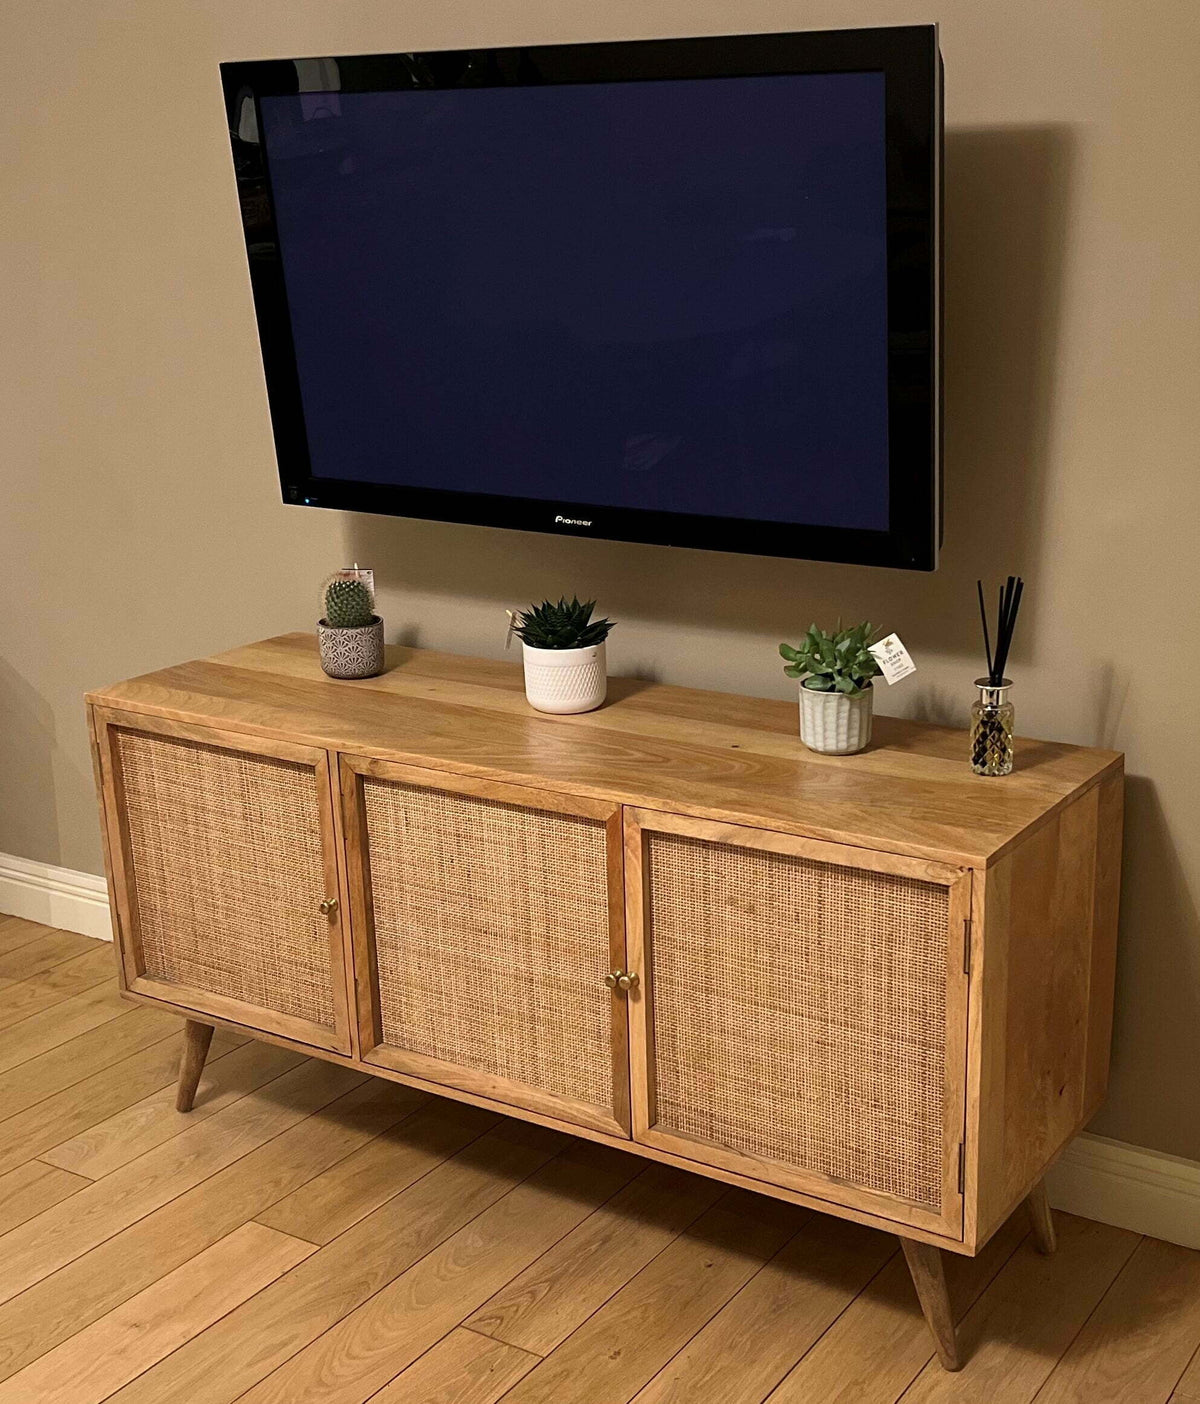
(299, 1237)
(432, 1249)
(891, 1258)
(357, 1150)
(1191, 1358)
(42, 970)
(134, 1221)
(215, 1322)
(1116, 1277)
(154, 1043)
(11, 1030)
(762, 1267)
(279, 1365)
(8, 986)
(483, 1335)
(500, 1340)
(50, 1165)
(334, 1164)
(959, 1318)
(617, 1290)
(169, 1085)
(30, 937)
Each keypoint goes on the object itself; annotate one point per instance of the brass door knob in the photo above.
(621, 980)
(329, 906)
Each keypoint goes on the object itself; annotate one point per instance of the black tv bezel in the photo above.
(909, 59)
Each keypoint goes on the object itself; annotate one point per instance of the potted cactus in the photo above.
(350, 633)
(566, 669)
(835, 672)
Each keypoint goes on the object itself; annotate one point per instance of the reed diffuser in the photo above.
(992, 714)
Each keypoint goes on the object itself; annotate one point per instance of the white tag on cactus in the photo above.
(361, 573)
(512, 627)
(893, 659)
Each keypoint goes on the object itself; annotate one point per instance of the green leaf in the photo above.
(793, 671)
(840, 661)
(561, 625)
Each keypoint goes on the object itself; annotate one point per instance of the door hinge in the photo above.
(966, 945)
(962, 1167)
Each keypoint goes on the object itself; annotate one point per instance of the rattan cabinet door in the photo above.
(486, 918)
(801, 1016)
(224, 869)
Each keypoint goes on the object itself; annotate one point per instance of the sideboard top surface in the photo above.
(716, 755)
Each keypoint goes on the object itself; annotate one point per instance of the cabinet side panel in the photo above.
(1034, 1014)
(1111, 807)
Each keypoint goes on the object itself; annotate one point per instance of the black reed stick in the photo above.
(987, 646)
(1007, 604)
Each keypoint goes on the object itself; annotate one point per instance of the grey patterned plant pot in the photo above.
(352, 653)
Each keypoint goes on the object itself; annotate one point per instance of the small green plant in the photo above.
(567, 624)
(348, 604)
(838, 662)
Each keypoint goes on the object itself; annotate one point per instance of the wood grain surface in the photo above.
(711, 755)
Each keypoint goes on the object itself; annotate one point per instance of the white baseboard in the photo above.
(1133, 1188)
(54, 896)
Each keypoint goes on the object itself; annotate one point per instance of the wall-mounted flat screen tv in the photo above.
(676, 291)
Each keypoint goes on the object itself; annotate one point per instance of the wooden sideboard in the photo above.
(876, 985)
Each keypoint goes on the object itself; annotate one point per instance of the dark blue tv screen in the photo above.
(606, 287)
(667, 295)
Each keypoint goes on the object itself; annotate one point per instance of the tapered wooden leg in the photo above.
(1038, 1204)
(929, 1278)
(196, 1038)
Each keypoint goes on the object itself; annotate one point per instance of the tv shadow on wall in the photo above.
(1007, 196)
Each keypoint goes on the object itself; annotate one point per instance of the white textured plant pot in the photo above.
(833, 723)
(351, 653)
(565, 680)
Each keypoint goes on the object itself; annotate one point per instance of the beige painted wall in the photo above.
(142, 524)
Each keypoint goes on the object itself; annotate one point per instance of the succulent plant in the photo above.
(567, 624)
(348, 604)
(838, 662)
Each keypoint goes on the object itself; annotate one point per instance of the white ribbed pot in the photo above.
(565, 680)
(834, 723)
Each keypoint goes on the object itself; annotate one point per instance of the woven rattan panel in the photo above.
(228, 873)
(491, 936)
(799, 1012)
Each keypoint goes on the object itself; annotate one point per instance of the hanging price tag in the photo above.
(893, 659)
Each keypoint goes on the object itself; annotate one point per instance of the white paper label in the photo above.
(512, 624)
(893, 659)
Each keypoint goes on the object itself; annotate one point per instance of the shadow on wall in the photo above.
(1156, 1039)
(27, 744)
(1007, 198)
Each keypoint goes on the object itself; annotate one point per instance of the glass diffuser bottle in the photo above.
(992, 713)
(992, 728)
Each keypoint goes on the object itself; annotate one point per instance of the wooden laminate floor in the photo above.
(309, 1234)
